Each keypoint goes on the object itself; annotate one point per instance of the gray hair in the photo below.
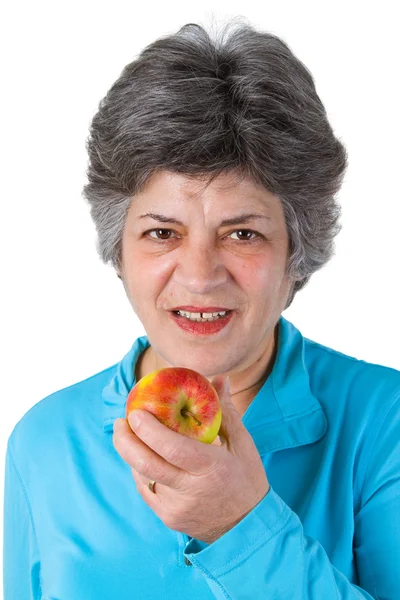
(202, 107)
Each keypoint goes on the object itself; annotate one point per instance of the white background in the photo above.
(64, 315)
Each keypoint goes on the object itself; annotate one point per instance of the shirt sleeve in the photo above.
(269, 555)
(21, 564)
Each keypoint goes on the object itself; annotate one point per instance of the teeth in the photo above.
(201, 316)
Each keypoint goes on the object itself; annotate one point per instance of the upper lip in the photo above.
(201, 309)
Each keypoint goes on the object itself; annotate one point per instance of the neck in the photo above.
(244, 384)
(242, 396)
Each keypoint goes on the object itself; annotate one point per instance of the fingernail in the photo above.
(117, 425)
(227, 384)
(134, 420)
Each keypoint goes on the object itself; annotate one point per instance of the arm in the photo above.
(268, 554)
(21, 564)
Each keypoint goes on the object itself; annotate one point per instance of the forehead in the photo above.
(167, 187)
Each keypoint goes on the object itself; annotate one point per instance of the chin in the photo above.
(206, 365)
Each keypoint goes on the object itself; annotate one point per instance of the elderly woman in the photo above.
(212, 179)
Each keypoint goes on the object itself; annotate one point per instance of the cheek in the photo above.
(146, 279)
(149, 277)
(262, 274)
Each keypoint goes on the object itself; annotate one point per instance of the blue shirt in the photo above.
(327, 427)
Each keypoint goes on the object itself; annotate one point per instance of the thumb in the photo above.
(221, 385)
(231, 422)
(223, 388)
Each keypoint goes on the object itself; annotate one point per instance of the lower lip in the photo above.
(203, 328)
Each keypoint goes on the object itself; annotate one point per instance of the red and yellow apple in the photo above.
(181, 399)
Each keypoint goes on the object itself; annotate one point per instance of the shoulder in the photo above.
(347, 366)
(345, 379)
(60, 412)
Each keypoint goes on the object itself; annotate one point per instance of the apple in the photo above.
(181, 399)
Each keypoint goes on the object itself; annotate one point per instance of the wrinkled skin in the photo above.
(202, 490)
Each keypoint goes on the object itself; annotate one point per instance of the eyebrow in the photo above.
(244, 218)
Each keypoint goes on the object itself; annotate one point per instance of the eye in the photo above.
(244, 235)
(162, 231)
(246, 232)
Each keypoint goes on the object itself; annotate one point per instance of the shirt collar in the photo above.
(283, 414)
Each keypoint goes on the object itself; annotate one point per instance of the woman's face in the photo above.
(191, 258)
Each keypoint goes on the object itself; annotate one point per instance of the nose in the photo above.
(200, 269)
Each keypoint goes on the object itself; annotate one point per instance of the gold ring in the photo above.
(152, 485)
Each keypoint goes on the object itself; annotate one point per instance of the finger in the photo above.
(142, 483)
(154, 500)
(177, 449)
(143, 459)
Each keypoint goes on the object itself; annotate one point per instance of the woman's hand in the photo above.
(202, 490)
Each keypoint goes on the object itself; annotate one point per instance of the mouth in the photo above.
(197, 325)
(203, 315)
(200, 309)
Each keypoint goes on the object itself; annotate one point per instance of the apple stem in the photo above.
(187, 412)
